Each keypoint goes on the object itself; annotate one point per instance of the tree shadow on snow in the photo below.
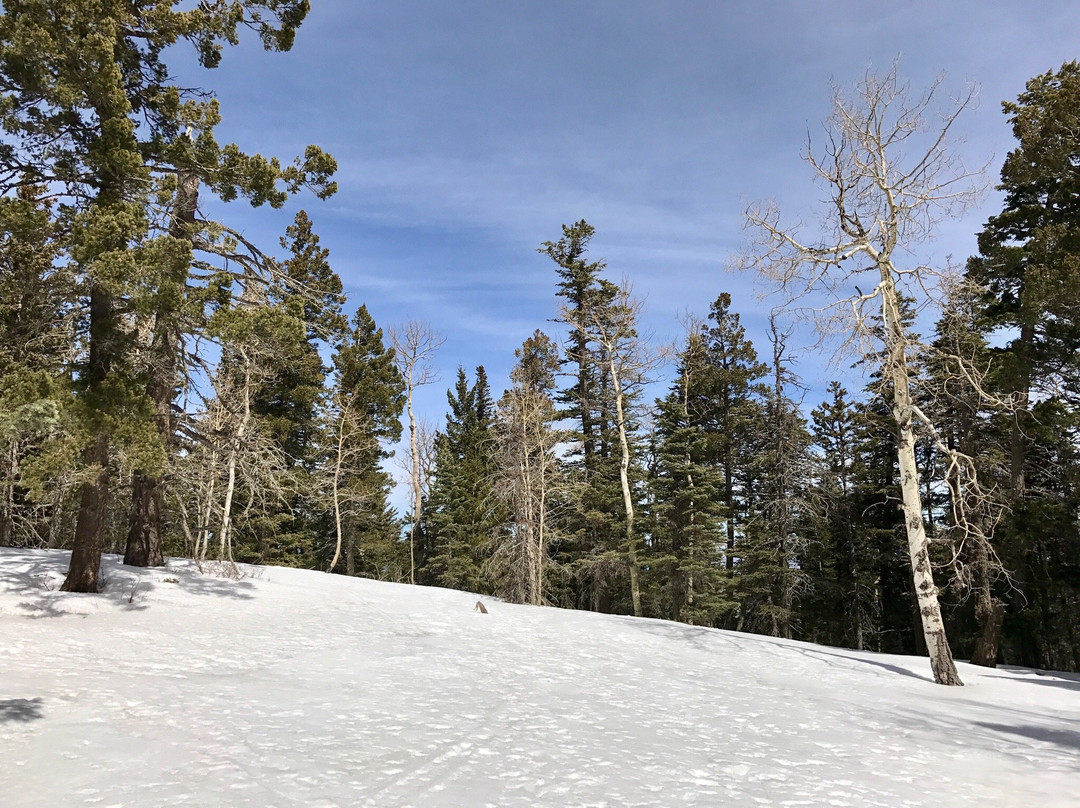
(217, 587)
(35, 579)
(20, 710)
(862, 660)
(707, 639)
(1058, 737)
(1035, 677)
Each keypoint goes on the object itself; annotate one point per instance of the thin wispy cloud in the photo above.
(467, 133)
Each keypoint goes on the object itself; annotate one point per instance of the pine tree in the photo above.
(770, 579)
(1029, 263)
(462, 511)
(88, 109)
(734, 400)
(592, 549)
(841, 604)
(289, 401)
(366, 403)
(687, 490)
(36, 339)
(1029, 254)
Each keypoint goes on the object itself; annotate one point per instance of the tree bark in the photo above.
(937, 644)
(87, 546)
(624, 481)
(144, 545)
(986, 646)
(339, 461)
(89, 539)
(418, 499)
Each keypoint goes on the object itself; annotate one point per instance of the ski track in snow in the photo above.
(295, 688)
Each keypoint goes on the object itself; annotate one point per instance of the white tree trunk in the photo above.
(225, 548)
(624, 480)
(417, 492)
(338, 463)
(937, 645)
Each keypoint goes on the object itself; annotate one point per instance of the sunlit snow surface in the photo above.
(295, 688)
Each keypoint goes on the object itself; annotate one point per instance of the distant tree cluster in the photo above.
(164, 387)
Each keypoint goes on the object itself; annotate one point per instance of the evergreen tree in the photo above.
(687, 490)
(735, 411)
(594, 525)
(462, 510)
(844, 607)
(290, 399)
(88, 108)
(1029, 263)
(366, 403)
(36, 338)
(770, 579)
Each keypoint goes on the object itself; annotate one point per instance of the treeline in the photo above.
(734, 502)
(164, 387)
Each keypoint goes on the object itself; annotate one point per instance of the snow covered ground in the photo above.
(295, 688)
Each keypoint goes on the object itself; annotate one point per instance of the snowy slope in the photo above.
(294, 688)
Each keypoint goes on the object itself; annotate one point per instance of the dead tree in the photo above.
(414, 346)
(528, 477)
(352, 445)
(890, 178)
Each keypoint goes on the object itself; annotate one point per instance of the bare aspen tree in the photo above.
(890, 178)
(352, 444)
(414, 346)
(230, 453)
(528, 476)
(625, 358)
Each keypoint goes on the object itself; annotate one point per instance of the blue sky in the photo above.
(467, 132)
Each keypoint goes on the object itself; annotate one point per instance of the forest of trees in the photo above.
(168, 388)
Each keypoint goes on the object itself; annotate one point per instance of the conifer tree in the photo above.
(1029, 263)
(734, 392)
(462, 510)
(366, 403)
(687, 491)
(770, 579)
(37, 334)
(838, 560)
(1029, 254)
(594, 525)
(89, 109)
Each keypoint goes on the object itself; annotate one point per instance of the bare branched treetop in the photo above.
(415, 345)
(890, 177)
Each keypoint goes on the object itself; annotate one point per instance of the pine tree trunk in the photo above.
(144, 545)
(7, 516)
(350, 551)
(986, 646)
(89, 539)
